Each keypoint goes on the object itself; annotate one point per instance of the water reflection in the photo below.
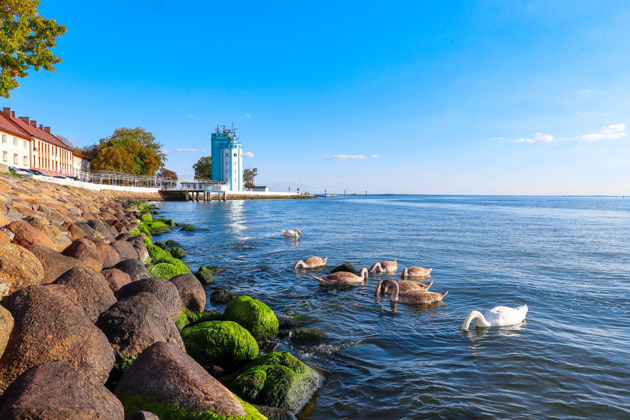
(475, 335)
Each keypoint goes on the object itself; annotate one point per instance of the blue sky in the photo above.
(453, 97)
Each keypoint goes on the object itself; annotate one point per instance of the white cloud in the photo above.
(613, 131)
(525, 140)
(543, 137)
(168, 152)
(248, 115)
(347, 157)
(375, 156)
(248, 155)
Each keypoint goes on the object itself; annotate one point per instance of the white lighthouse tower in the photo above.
(227, 158)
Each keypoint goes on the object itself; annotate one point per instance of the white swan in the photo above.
(499, 316)
(295, 233)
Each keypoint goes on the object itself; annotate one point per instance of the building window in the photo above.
(25, 145)
(227, 154)
(25, 160)
(4, 138)
(15, 141)
(15, 159)
(4, 156)
(234, 154)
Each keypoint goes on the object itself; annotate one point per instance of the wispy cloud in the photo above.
(170, 152)
(350, 157)
(613, 131)
(247, 115)
(248, 155)
(545, 138)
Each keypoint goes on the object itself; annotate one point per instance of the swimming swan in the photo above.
(344, 277)
(310, 262)
(403, 285)
(499, 316)
(414, 271)
(413, 296)
(385, 267)
(295, 233)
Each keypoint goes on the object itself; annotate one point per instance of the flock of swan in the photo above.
(411, 291)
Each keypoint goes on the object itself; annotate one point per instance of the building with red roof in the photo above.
(41, 150)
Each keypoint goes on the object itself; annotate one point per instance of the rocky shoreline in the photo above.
(99, 320)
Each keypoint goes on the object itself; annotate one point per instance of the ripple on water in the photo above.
(567, 258)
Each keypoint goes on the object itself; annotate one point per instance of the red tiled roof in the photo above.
(39, 133)
(6, 124)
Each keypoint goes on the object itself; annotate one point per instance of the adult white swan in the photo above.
(310, 262)
(499, 316)
(295, 233)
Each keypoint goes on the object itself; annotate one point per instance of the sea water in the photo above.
(567, 258)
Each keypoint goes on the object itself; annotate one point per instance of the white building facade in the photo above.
(227, 158)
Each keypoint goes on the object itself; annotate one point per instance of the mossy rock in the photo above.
(144, 229)
(277, 379)
(167, 222)
(166, 411)
(166, 271)
(307, 336)
(179, 253)
(191, 318)
(188, 228)
(204, 275)
(171, 243)
(146, 218)
(221, 296)
(147, 241)
(254, 315)
(219, 346)
(162, 245)
(185, 268)
(156, 253)
(134, 232)
(158, 228)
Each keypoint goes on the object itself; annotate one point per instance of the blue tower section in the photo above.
(227, 158)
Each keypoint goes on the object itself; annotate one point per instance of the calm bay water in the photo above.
(567, 258)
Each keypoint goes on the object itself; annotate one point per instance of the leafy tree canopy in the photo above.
(146, 139)
(203, 168)
(26, 40)
(165, 173)
(248, 177)
(135, 145)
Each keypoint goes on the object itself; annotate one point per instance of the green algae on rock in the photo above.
(157, 253)
(190, 318)
(205, 275)
(188, 228)
(177, 252)
(219, 346)
(277, 379)
(254, 315)
(166, 271)
(157, 228)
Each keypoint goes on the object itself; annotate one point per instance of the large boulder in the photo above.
(26, 235)
(125, 250)
(116, 278)
(101, 229)
(135, 323)
(166, 381)
(277, 379)
(53, 262)
(93, 292)
(108, 254)
(51, 325)
(190, 291)
(85, 251)
(134, 268)
(20, 268)
(254, 315)
(164, 290)
(205, 275)
(220, 346)
(6, 326)
(57, 391)
(138, 244)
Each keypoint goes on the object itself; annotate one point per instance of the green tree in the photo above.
(122, 136)
(26, 40)
(114, 159)
(248, 177)
(203, 168)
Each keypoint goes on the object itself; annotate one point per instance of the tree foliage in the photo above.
(165, 173)
(248, 177)
(130, 150)
(203, 168)
(26, 40)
